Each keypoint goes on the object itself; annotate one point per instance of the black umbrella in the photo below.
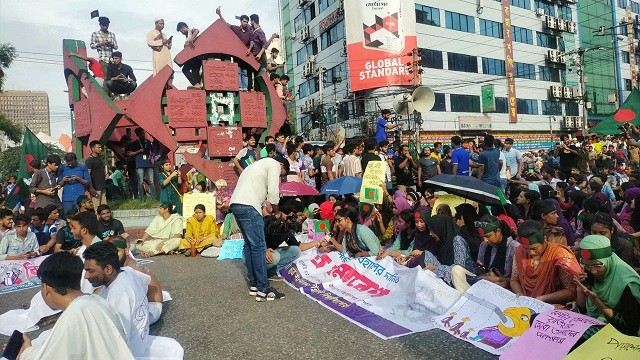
(467, 187)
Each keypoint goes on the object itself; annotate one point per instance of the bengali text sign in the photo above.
(220, 75)
(186, 108)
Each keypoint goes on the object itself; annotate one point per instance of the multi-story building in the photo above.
(610, 27)
(462, 48)
(27, 108)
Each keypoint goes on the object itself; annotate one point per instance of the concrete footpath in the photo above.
(213, 317)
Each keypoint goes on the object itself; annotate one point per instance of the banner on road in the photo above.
(19, 274)
(382, 297)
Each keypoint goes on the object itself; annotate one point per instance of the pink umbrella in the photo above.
(297, 189)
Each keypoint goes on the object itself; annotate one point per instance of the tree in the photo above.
(7, 55)
(11, 130)
(9, 162)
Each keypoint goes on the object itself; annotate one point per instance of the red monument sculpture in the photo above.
(190, 122)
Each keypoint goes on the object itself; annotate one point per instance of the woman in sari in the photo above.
(542, 269)
(610, 290)
(452, 262)
(202, 231)
(170, 184)
(403, 246)
(400, 204)
(354, 239)
(163, 234)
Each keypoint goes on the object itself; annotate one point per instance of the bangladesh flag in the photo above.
(321, 226)
(366, 209)
(371, 194)
(200, 177)
(31, 149)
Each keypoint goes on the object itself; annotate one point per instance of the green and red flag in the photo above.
(366, 209)
(200, 177)
(629, 112)
(95, 14)
(31, 149)
(321, 226)
(371, 194)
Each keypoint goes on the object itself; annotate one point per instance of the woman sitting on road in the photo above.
(422, 240)
(524, 201)
(403, 246)
(466, 217)
(452, 262)
(497, 251)
(202, 231)
(602, 224)
(543, 270)
(547, 214)
(354, 239)
(163, 234)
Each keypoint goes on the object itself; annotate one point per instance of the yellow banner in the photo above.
(190, 200)
(370, 191)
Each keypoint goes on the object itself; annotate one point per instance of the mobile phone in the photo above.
(13, 346)
(170, 37)
(175, 167)
(496, 272)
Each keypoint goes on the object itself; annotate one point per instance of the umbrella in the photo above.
(342, 185)
(297, 189)
(467, 187)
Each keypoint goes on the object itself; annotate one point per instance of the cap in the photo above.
(313, 207)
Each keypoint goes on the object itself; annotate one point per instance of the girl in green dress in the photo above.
(170, 183)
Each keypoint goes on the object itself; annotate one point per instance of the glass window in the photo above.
(525, 4)
(635, 7)
(525, 71)
(440, 104)
(625, 57)
(572, 108)
(622, 4)
(491, 28)
(460, 22)
(431, 59)
(324, 4)
(623, 29)
(564, 12)
(493, 66)
(308, 14)
(332, 35)
(546, 40)
(465, 103)
(502, 106)
(462, 62)
(527, 106)
(311, 48)
(548, 7)
(627, 84)
(549, 74)
(522, 35)
(338, 72)
(551, 107)
(427, 15)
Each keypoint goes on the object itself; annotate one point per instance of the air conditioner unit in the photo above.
(556, 91)
(578, 121)
(303, 108)
(577, 93)
(305, 33)
(308, 69)
(550, 22)
(540, 11)
(552, 55)
(311, 59)
(569, 122)
(571, 27)
(562, 25)
(561, 58)
(567, 92)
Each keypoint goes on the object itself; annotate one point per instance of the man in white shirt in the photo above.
(87, 329)
(257, 183)
(125, 291)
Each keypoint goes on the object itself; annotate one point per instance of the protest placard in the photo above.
(190, 200)
(608, 344)
(552, 334)
(490, 317)
(231, 249)
(374, 175)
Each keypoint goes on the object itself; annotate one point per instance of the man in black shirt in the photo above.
(120, 79)
(95, 165)
(369, 154)
(568, 155)
(107, 225)
(405, 166)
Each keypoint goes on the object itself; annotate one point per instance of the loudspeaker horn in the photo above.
(403, 104)
(423, 99)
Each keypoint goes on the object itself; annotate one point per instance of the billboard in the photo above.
(381, 36)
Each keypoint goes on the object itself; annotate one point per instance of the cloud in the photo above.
(41, 26)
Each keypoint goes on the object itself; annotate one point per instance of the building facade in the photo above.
(462, 49)
(27, 108)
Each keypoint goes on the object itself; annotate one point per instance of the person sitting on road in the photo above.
(496, 251)
(163, 234)
(85, 204)
(403, 244)
(107, 225)
(202, 231)
(354, 239)
(20, 244)
(65, 240)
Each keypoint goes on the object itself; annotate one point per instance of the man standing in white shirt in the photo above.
(257, 183)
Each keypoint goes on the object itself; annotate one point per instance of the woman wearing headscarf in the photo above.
(602, 224)
(610, 290)
(452, 262)
(399, 205)
(497, 251)
(543, 270)
(466, 217)
(417, 201)
(403, 245)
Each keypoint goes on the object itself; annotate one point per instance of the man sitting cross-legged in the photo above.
(88, 327)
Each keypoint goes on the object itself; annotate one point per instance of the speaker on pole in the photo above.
(423, 99)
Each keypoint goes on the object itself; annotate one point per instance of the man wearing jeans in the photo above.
(141, 150)
(243, 31)
(257, 183)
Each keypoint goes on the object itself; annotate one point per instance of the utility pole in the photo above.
(583, 80)
(323, 120)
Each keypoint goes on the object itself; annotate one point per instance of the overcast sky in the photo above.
(36, 29)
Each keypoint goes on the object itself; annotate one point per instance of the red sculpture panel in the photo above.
(253, 111)
(186, 108)
(220, 75)
(224, 141)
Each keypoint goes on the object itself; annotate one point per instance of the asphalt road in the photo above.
(213, 317)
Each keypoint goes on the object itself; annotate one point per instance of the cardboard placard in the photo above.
(374, 175)
(186, 108)
(220, 75)
(253, 112)
(224, 141)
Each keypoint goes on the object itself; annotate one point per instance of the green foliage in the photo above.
(11, 130)
(7, 55)
(134, 204)
(9, 162)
